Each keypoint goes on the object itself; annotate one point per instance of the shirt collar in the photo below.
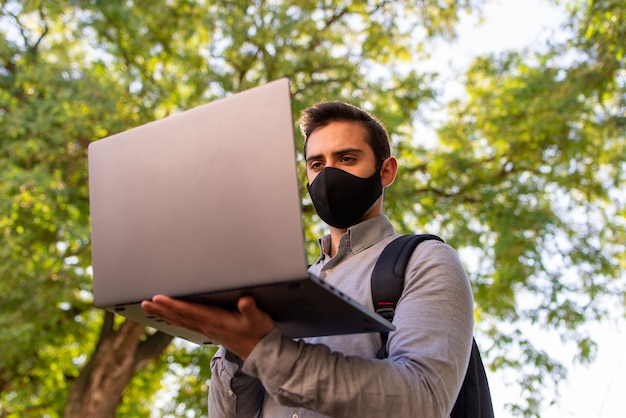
(360, 236)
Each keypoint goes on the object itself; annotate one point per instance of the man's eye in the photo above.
(347, 159)
(315, 165)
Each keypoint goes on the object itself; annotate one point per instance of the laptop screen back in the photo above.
(203, 200)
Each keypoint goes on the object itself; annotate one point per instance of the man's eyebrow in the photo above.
(313, 157)
(336, 153)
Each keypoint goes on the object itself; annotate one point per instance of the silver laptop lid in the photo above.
(203, 200)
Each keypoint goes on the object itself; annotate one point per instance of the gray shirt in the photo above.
(339, 376)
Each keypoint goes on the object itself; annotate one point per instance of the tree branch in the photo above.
(107, 328)
(151, 348)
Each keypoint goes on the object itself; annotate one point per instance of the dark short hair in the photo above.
(321, 114)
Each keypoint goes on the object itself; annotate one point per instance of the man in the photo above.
(257, 371)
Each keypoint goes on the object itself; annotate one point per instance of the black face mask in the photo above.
(341, 199)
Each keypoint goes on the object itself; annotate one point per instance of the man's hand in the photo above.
(238, 331)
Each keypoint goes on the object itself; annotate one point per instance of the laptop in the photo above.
(205, 205)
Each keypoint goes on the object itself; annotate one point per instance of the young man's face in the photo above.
(342, 145)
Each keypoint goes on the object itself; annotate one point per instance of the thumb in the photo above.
(247, 306)
(260, 323)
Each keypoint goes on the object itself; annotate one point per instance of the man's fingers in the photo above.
(176, 312)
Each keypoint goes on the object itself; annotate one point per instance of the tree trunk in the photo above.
(97, 391)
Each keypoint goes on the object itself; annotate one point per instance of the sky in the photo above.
(593, 390)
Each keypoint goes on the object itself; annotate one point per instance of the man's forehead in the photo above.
(338, 135)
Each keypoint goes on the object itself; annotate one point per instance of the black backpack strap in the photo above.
(388, 278)
(474, 399)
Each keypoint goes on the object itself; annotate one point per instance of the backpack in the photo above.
(474, 399)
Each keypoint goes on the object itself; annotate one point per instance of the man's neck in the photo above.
(335, 237)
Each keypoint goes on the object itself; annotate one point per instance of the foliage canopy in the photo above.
(526, 180)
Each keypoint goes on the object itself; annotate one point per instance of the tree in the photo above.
(531, 171)
(526, 179)
(74, 71)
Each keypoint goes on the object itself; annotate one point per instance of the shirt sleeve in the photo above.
(428, 352)
(232, 393)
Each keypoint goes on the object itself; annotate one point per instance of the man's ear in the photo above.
(388, 171)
